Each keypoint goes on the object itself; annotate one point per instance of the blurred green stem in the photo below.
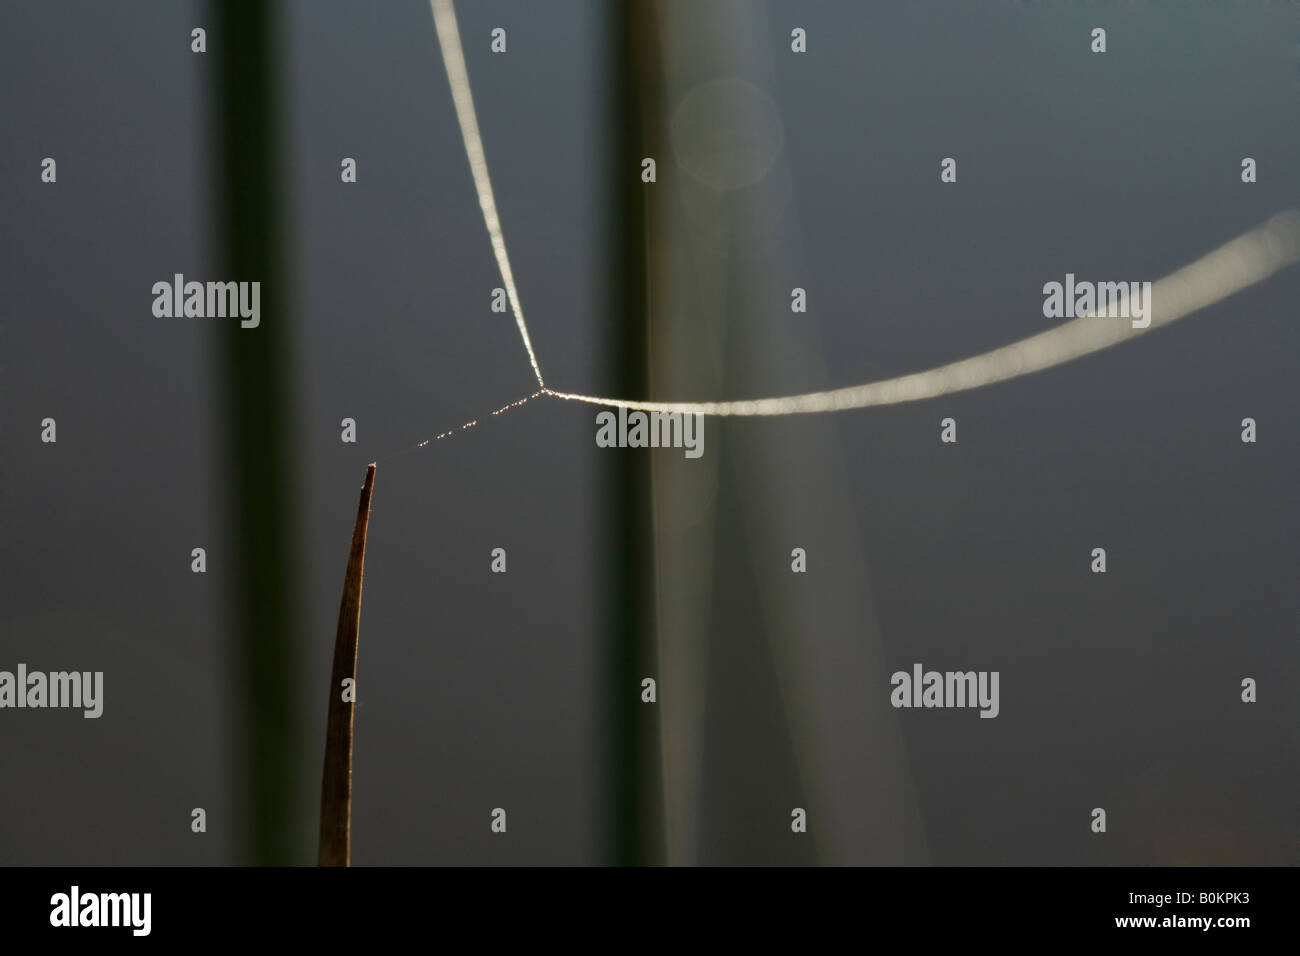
(259, 424)
(634, 104)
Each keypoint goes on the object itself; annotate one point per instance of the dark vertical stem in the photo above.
(259, 425)
(336, 779)
(636, 802)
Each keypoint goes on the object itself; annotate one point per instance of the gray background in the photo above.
(482, 690)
